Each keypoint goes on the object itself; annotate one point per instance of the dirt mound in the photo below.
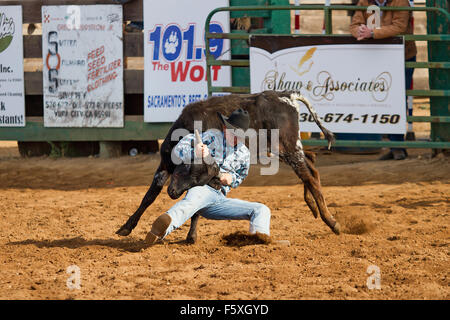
(240, 239)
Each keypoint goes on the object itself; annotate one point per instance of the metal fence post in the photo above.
(439, 78)
(281, 19)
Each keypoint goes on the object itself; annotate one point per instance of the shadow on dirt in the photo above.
(79, 242)
(408, 204)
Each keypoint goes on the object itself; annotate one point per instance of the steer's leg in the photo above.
(297, 160)
(309, 199)
(159, 180)
(192, 235)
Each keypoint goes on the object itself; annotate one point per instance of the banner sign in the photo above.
(174, 50)
(82, 50)
(12, 98)
(355, 87)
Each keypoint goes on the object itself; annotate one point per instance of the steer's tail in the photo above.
(328, 134)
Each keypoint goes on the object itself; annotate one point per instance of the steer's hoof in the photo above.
(337, 228)
(123, 232)
(191, 240)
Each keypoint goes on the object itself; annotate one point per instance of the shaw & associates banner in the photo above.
(355, 87)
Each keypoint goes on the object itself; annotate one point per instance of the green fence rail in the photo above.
(210, 61)
(134, 129)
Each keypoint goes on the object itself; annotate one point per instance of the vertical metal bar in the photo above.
(207, 53)
(410, 99)
(439, 78)
(328, 19)
(280, 20)
(297, 18)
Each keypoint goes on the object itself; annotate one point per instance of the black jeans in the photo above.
(408, 83)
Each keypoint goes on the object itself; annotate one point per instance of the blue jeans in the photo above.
(408, 82)
(212, 204)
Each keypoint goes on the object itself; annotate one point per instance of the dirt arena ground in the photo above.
(63, 212)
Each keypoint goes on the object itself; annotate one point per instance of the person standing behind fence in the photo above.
(393, 23)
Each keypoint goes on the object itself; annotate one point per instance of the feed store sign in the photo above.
(83, 66)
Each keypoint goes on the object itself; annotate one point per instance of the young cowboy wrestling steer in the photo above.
(266, 110)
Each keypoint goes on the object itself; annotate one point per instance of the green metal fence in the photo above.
(263, 21)
(440, 138)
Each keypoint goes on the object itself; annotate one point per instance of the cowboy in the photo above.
(233, 159)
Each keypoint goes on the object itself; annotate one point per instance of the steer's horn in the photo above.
(198, 139)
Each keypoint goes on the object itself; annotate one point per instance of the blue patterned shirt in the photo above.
(231, 159)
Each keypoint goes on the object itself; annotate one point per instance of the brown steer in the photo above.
(267, 110)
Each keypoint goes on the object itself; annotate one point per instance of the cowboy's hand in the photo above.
(364, 32)
(225, 178)
(201, 150)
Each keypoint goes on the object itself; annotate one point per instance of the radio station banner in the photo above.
(12, 98)
(174, 50)
(83, 66)
(354, 87)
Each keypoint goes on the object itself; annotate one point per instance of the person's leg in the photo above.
(235, 209)
(409, 86)
(400, 153)
(196, 198)
(409, 75)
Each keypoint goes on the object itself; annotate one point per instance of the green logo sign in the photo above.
(7, 29)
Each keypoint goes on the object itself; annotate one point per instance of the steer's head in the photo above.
(186, 176)
(198, 173)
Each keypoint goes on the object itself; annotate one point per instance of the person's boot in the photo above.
(159, 228)
(399, 154)
(387, 156)
(410, 136)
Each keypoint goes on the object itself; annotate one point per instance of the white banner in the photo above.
(174, 50)
(83, 66)
(12, 98)
(355, 88)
